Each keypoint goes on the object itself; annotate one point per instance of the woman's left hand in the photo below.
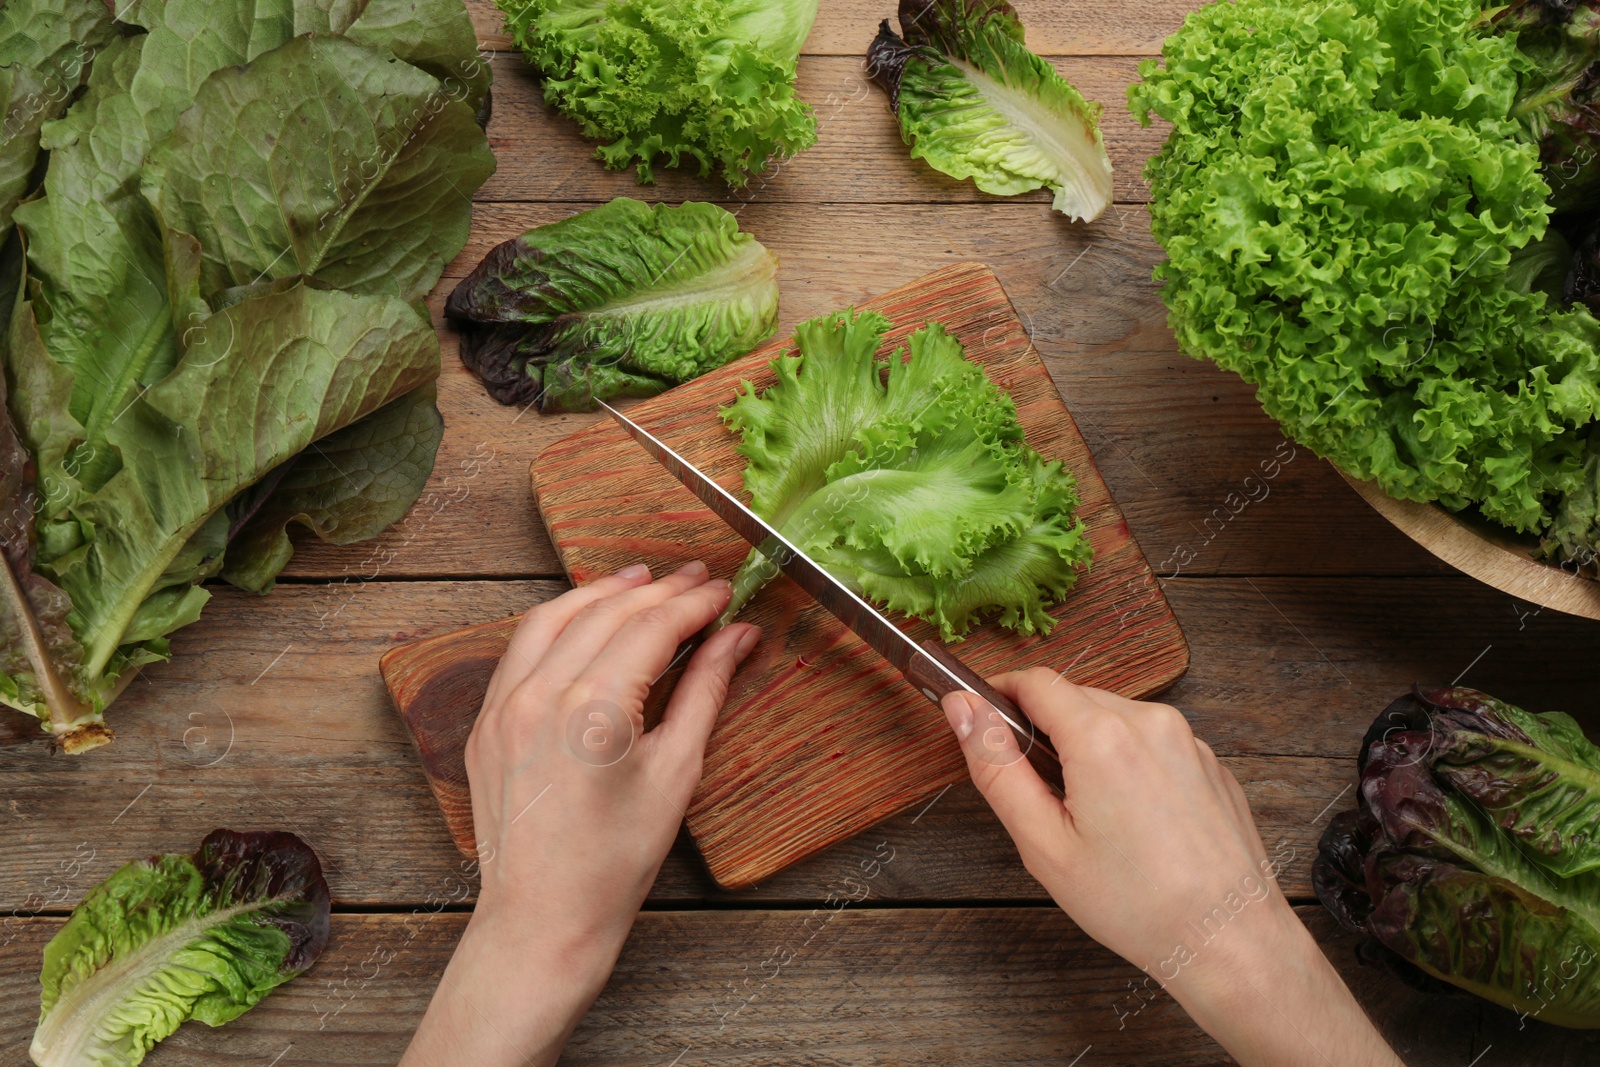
(574, 805)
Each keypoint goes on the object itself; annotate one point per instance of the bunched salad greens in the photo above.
(218, 329)
(908, 478)
(1356, 206)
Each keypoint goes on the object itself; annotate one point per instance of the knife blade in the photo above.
(927, 665)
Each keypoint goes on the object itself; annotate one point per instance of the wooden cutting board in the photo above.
(820, 738)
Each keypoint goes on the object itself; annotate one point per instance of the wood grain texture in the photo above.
(1491, 554)
(846, 27)
(851, 983)
(792, 767)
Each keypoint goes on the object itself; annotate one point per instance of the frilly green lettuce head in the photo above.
(175, 938)
(907, 478)
(1339, 200)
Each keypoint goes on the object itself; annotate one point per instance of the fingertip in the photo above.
(693, 569)
(747, 641)
(958, 710)
(634, 572)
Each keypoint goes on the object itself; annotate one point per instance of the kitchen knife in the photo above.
(928, 666)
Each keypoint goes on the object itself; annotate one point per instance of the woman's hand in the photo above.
(574, 806)
(1155, 855)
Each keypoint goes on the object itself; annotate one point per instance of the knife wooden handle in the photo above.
(935, 683)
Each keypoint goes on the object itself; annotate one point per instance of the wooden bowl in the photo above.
(1488, 553)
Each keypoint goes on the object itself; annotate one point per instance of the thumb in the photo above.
(681, 735)
(1025, 804)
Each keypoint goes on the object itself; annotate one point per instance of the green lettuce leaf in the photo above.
(326, 159)
(708, 81)
(174, 938)
(1339, 200)
(46, 48)
(908, 478)
(626, 299)
(351, 485)
(975, 103)
(240, 217)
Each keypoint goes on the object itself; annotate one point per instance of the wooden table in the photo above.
(1306, 614)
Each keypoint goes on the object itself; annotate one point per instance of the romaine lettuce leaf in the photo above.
(708, 81)
(626, 299)
(1472, 859)
(321, 158)
(178, 346)
(908, 478)
(975, 103)
(46, 48)
(174, 938)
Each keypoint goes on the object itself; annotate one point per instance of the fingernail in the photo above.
(637, 570)
(692, 567)
(747, 642)
(958, 709)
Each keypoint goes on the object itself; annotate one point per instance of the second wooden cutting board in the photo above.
(820, 738)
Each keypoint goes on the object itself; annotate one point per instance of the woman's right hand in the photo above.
(1154, 853)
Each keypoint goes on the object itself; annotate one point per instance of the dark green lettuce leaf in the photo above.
(975, 103)
(351, 485)
(622, 300)
(321, 158)
(908, 478)
(1473, 858)
(1559, 99)
(46, 48)
(177, 937)
(243, 218)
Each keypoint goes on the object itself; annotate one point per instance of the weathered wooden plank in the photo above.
(1185, 447)
(846, 27)
(292, 680)
(862, 984)
(858, 158)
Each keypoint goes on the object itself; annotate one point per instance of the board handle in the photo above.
(935, 684)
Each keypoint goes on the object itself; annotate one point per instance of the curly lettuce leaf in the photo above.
(704, 81)
(1339, 201)
(975, 103)
(177, 937)
(625, 299)
(908, 478)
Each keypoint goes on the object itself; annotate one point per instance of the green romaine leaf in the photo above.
(975, 103)
(321, 158)
(178, 347)
(46, 47)
(1339, 201)
(908, 478)
(351, 485)
(174, 938)
(710, 81)
(621, 300)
